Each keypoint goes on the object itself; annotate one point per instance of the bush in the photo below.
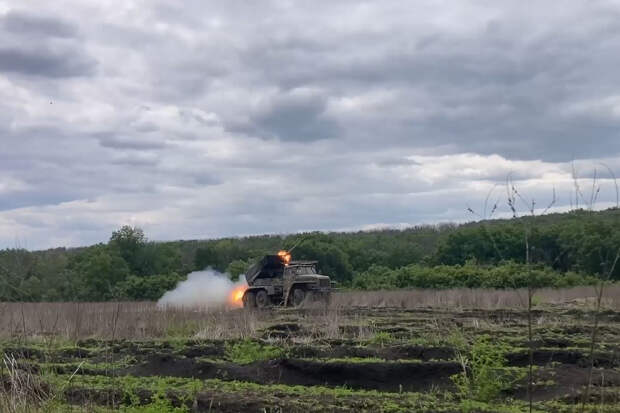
(159, 404)
(484, 374)
(470, 275)
(381, 338)
(248, 351)
(146, 288)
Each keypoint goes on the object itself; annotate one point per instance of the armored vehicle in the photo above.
(276, 280)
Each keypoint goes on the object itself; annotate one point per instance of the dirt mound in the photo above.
(73, 353)
(547, 356)
(388, 376)
(209, 350)
(417, 353)
(568, 383)
(388, 353)
(85, 396)
(391, 377)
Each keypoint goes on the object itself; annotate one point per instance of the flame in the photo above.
(285, 256)
(236, 296)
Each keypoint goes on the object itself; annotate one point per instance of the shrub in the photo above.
(381, 338)
(484, 374)
(470, 275)
(146, 288)
(248, 351)
(159, 404)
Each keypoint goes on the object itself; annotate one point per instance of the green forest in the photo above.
(565, 249)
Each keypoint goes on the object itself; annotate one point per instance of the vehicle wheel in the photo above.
(249, 299)
(262, 299)
(298, 296)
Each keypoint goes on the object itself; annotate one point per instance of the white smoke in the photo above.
(206, 289)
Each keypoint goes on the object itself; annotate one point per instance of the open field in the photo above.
(371, 351)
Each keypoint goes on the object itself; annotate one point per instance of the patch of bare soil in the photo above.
(567, 383)
(85, 396)
(576, 357)
(234, 402)
(390, 377)
(388, 352)
(204, 350)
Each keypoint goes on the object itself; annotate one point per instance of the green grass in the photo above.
(310, 398)
(249, 351)
(381, 339)
(485, 376)
(461, 331)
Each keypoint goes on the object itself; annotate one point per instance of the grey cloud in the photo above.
(132, 188)
(310, 112)
(26, 23)
(38, 197)
(137, 161)
(388, 162)
(293, 116)
(493, 91)
(129, 142)
(204, 179)
(42, 45)
(46, 62)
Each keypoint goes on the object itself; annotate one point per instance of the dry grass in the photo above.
(21, 391)
(141, 320)
(111, 320)
(475, 298)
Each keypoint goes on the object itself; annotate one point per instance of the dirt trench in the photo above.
(383, 376)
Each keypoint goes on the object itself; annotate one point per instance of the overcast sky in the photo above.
(197, 119)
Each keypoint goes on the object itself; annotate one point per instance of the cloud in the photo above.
(282, 117)
(25, 23)
(129, 142)
(296, 115)
(44, 62)
(140, 159)
(40, 45)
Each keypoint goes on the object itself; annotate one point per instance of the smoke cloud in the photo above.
(206, 289)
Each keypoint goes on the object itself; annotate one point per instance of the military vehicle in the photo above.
(276, 280)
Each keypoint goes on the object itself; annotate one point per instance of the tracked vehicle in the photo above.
(276, 280)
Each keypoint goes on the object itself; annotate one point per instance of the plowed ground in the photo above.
(353, 359)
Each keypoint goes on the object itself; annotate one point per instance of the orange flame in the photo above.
(285, 256)
(236, 296)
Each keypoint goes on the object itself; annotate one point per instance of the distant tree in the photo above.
(376, 277)
(99, 269)
(157, 258)
(219, 254)
(129, 242)
(470, 275)
(146, 288)
(332, 260)
(236, 268)
(567, 249)
(33, 287)
(205, 257)
(16, 267)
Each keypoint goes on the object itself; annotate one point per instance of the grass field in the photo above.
(449, 351)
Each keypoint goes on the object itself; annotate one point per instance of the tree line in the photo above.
(566, 249)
